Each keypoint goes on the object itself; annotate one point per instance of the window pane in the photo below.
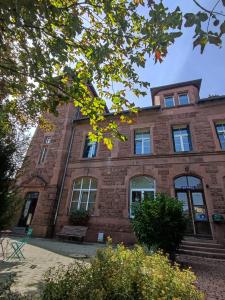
(177, 144)
(184, 199)
(148, 195)
(86, 182)
(76, 196)
(83, 192)
(93, 183)
(147, 146)
(188, 182)
(142, 142)
(138, 147)
(42, 155)
(77, 183)
(222, 140)
(197, 199)
(221, 134)
(91, 202)
(136, 198)
(169, 102)
(183, 99)
(84, 199)
(47, 140)
(182, 141)
(142, 182)
(90, 148)
(181, 183)
(186, 143)
(194, 182)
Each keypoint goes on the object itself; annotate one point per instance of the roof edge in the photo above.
(196, 83)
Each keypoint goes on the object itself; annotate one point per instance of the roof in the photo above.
(212, 98)
(196, 83)
(155, 107)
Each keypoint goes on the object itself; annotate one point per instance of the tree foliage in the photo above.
(51, 50)
(12, 150)
(214, 21)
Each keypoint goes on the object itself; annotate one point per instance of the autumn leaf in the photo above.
(158, 56)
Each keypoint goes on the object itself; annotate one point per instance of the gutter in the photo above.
(65, 171)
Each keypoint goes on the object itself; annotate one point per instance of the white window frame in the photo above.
(165, 101)
(182, 94)
(142, 139)
(180, 136)
(81, 190)
(42, 155)
(142, 194)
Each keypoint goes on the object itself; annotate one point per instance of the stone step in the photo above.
(203, 240)
(202, 254)
(201, 244)
(204, 249)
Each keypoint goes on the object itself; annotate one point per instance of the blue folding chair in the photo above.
(17, 246)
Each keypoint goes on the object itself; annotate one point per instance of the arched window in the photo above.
(188, 182)
(84, 194)
(141, 187)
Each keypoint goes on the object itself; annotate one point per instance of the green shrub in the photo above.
(159, 223)
(121, 274)
(79, 217)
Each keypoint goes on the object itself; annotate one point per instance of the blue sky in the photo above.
(183, 63)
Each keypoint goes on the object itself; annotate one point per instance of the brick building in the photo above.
(176, 146)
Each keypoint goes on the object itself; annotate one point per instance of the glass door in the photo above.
(200, 213)
(183, 196)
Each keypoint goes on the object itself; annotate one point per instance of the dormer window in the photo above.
(169, 101)
(183, 99)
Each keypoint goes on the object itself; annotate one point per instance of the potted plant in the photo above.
(79, 217)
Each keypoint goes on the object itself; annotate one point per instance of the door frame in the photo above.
(33, 210)
(189, 192)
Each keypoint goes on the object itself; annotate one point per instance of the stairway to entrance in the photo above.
(202, 247)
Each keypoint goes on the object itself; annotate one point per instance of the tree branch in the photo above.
(208, 11)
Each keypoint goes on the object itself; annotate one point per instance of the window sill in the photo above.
(88, 158)
(186, 152)
(140, 155)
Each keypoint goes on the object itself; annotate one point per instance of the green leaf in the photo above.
(202, 16)
(190, 19)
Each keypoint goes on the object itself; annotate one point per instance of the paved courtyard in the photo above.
(41, 254)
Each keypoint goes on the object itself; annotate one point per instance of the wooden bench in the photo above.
(73, 232)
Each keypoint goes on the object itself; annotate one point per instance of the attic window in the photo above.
(183, 99)
(169, 101)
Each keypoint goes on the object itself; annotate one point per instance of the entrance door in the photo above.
(28, 209)
(189, 190)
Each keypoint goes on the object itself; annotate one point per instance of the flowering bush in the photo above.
(119, 274)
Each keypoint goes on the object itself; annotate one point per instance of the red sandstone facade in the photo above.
(63, 163)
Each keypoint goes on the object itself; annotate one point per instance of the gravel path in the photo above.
(210, 275)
